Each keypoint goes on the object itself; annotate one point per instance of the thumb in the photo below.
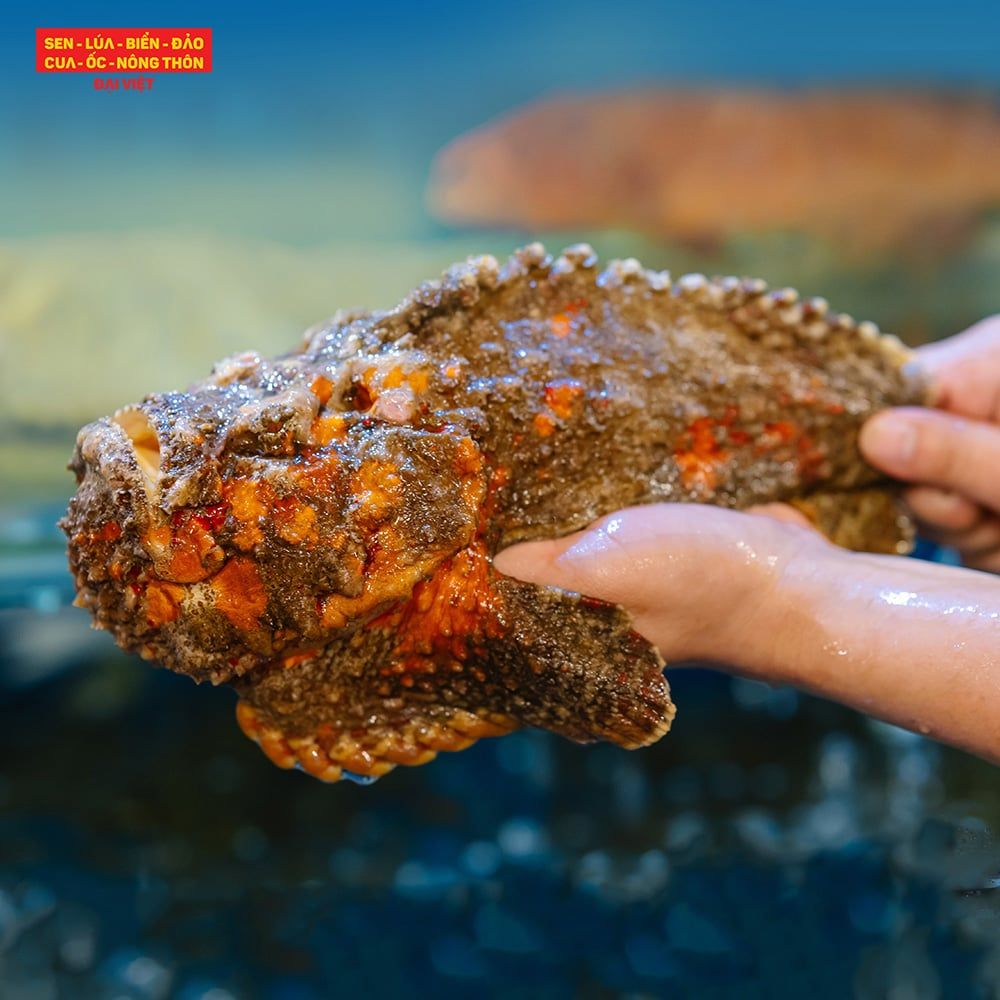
(640, 556)
(601, 561)
(965, 371)
(689, 574)
(936, 449)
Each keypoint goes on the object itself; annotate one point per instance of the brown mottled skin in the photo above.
(317, 530)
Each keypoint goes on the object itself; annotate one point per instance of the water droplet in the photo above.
(359, 779)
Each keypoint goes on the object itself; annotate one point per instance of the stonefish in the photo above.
(317, 530)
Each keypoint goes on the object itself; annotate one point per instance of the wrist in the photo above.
(772, 594)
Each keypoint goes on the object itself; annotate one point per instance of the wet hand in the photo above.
(692, 576)
(951, 455)
(908, 641)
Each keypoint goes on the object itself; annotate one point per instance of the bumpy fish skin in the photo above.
(318, 529)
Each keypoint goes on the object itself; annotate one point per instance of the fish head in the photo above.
(269, 510)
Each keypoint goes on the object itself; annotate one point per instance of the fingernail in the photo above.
(890, 439)
(509, 561)
(526, 561)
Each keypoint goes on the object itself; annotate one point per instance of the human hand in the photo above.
(692, 576)
(951, 455)
(776, 601)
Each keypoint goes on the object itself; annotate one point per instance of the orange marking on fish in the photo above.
(469, 463)
(191, 542)
(561, 396)
(249, 501)
(321, 388)
(159, 535)
(449, 614)
(294, 521)
(317, 473)
(388, 577)
(544, 424)
(470, 458)
(699, 455)
(163, 602)
(327, 428)
(378, 488)
(418, 380)
(775, 434)
(561, 325)
(110, 531)
(397, 376)
(296, 659)
(393, 379)
(239, 593)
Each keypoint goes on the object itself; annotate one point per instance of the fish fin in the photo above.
(579, 668)
(328, 751)
(471, 654)
(869, 520)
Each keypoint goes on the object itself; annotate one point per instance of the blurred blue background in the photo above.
(771, 846)
(300, 97)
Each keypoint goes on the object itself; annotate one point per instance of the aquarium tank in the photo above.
(773, 845)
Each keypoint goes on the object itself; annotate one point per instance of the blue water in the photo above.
(385, 85)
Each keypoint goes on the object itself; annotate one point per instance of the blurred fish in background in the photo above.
(883, 197)
(875, 172)
(777, 846)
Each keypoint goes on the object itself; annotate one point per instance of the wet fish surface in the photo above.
(317, 530)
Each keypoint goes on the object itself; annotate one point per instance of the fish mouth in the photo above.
(131, 571)
(110, 509)
(145, 442)
(117, 462)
